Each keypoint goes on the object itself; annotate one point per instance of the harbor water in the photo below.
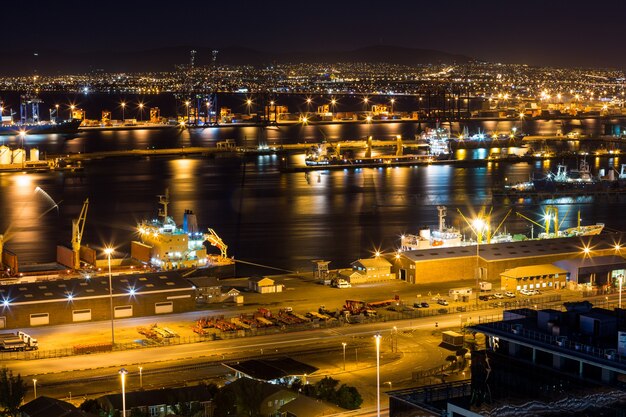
(283, 220)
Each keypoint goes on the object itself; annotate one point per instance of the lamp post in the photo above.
(344, 355)
(377, 336)
(72, 107)
(140, 112)
(479, 227)
(35, 387)
(393, 100)
(56, 113)
(620, 278)
(123, 104)
(108, 252)
(123, 373)
(141, 377)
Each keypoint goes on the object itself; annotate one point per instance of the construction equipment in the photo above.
(216, 241)
(550, 217)
(78, 225)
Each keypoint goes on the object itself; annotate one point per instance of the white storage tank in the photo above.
(18, 156)
(5, 155)
(34, 154)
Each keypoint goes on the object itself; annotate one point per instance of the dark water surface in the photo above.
(284, 220)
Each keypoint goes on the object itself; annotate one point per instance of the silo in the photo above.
(34, 154)
(18, 156)
(5, 155)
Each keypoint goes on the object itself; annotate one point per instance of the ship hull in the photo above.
(41, 129)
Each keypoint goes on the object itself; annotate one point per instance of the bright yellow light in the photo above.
(108, 251)
(249, 102)
(377, 254)
(333, 101)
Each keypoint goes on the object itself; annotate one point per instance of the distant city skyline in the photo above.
(532, 32)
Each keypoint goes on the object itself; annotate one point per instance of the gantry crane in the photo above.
(217, 241)
(78, 225)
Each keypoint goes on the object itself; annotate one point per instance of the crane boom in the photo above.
(217, 241)
(78, 226)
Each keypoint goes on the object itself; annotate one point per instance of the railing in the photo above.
(381, 316)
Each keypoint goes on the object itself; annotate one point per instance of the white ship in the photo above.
(166, 246)
(443, 237)
(439, 141)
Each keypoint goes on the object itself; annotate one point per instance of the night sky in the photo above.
(565, 33)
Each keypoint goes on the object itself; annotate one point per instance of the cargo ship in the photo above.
(40, 128)
(447, 236)
(573, 181)
(166, 246)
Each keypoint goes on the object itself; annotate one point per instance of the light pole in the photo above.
(620, 278)
(141, 377)
(123, 104)
(377, 336)
(187, 107)
(393, 100)
(248, 103)
(123, 373)
(479, 227)
(72, 107)
(108, 252)
(344, 354)
(56, 113)
(140, 112)
(35, 387)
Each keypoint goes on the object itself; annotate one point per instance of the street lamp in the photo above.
(108, 252)
(56, 113)
(123, 104)
(35, 387)
(123, 373)
(141, 377)
(140, 112)
(479, 227)
(72, 107)
(344, 354)
(377, 336)
(393, 100)
(248, 103)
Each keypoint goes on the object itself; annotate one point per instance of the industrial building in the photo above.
(371, 270)
(491, 260)
(567, 361)
(534, 277)
(80, 300)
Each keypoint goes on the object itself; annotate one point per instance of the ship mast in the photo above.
(164, 200)
(442, 218)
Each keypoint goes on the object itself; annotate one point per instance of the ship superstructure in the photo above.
(167, 246)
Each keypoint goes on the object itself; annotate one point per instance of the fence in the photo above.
(381, 316)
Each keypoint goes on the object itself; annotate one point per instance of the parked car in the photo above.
(417, 305)
(509, 294)
(425, 304)
(442, 302)
(483, 297)
(498, 295)
(524, 291)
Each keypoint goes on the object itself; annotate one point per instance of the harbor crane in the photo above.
(78, 225)
(216, 241)
(481, 225)
(550, 217)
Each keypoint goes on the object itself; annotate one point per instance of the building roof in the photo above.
(154, 397)
(51, 407)
(378, 262)
(205, 282)
(592, 261)
(259, 279)
(304, 406)
(532, 271)
(270, 369)
(95, 287)
(522, 249)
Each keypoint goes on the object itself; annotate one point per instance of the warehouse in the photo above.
(80, 300)
(490, 260)
(534, 277)
(599, 271)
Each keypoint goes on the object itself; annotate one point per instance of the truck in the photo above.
(484, 286)
(451, 338)
(17, 341)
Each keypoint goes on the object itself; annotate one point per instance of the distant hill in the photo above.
(165, 59)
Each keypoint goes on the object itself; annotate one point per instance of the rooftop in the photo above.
(270, 369)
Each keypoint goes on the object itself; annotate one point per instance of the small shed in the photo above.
(371, 269)
(264, 285)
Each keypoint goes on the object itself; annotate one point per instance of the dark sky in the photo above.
(568, 33)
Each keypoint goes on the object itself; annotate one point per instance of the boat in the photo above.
(438, 140)
(166, 246)
(447, 236)
(40, 128)
(573, 181)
